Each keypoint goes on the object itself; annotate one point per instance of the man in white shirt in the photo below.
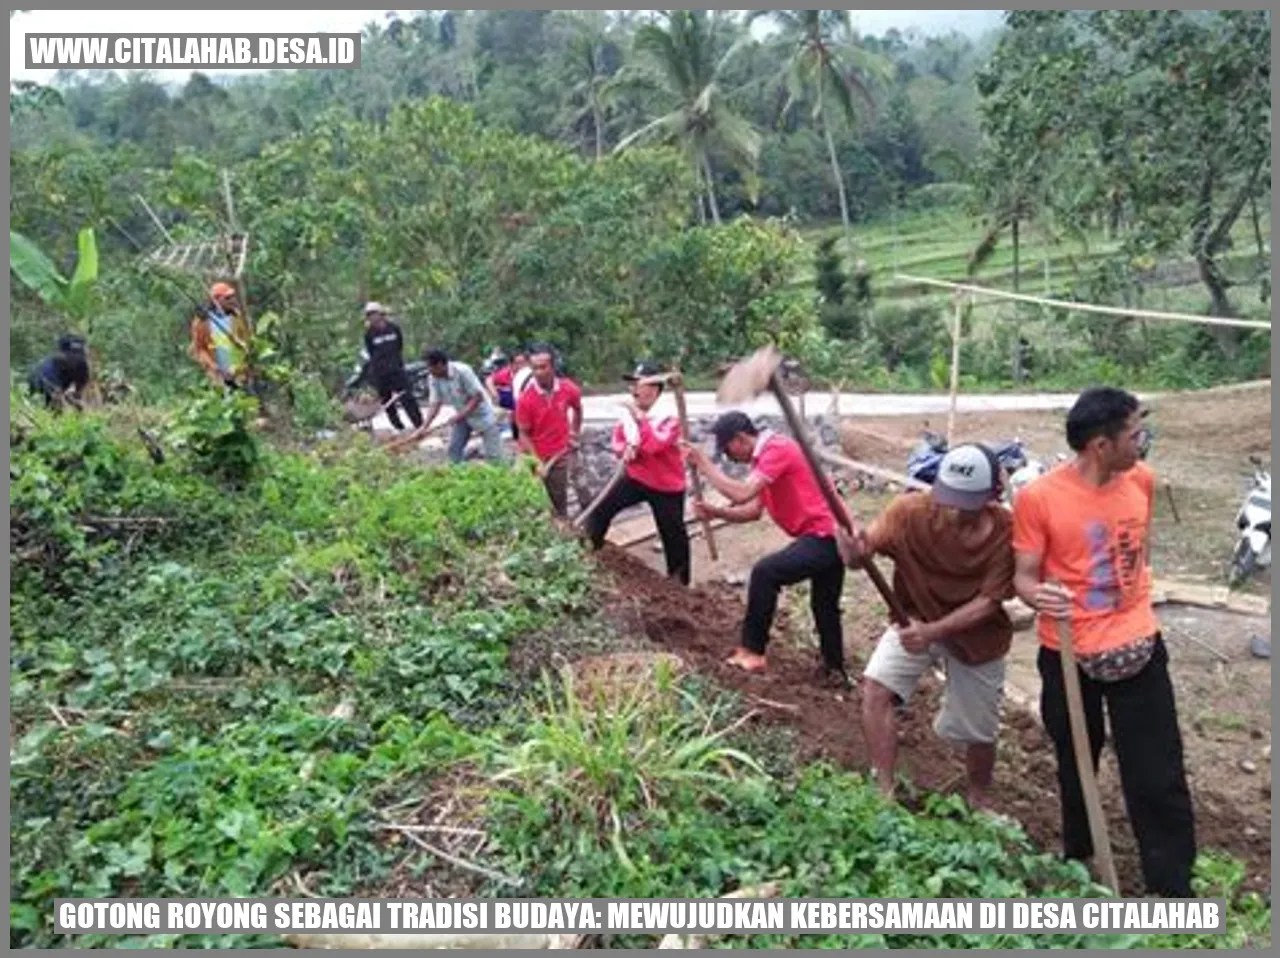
(457, 384)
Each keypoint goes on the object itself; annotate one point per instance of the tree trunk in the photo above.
(1017, 307)
(839, 177)
(1015, 254)
(1257, 228)
(700, 199)
(711, 190)
(597, 122)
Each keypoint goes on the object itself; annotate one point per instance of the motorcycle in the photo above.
(1253, 527)
(923, 462)
(419, 379)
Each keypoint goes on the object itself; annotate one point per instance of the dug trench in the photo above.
(700, 625)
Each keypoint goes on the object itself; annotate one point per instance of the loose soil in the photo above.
(1202, 444)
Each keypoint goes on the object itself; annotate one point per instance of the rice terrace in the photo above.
(648, 455)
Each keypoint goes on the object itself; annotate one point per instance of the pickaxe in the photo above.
(759, 373)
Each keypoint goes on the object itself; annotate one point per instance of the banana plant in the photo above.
(72, 298)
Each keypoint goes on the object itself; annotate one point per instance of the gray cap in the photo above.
(968, 478)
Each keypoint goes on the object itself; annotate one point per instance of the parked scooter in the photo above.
(1253, 526)
(924, 460)
(419, 379)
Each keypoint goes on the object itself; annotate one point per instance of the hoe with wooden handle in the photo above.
(677, 388)
(1084, 760)
(758, 373)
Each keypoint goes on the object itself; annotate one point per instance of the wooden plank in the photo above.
(1208, 597)
(653, 533)
(897, 477)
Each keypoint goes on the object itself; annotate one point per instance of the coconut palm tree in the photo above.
(590, 70)
(828, 69)
(680, 61)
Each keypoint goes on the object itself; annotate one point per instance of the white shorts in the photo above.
(970, 713)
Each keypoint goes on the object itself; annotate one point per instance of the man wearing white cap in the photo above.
(953, 568)
(384, 365)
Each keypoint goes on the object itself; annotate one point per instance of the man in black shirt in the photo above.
(63, 375)
(384, 365)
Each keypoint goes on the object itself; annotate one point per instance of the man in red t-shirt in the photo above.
(549, 415)
(501, 384)
(782, 484)
(655, 472)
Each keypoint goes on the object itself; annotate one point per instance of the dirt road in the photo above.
(1224, 696)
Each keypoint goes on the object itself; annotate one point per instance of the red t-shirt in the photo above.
(657, 464)
(544, 416)
(791, 495)
(502, 378)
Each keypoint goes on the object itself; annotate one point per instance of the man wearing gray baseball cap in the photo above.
(953, 568)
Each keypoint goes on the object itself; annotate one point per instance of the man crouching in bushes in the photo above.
(953, 567)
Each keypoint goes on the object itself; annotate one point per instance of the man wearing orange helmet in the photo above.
(218, 336)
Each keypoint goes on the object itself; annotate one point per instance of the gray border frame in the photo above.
(374, 13)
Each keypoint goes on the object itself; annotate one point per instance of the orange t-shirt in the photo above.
(1094, 541)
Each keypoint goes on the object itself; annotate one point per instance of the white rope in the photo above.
(1087, 307)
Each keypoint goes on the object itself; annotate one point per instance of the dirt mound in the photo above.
(701, 625)
(623, 676)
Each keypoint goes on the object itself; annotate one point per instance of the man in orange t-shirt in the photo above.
(1082, 555)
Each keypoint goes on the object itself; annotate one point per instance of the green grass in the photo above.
(184, 633)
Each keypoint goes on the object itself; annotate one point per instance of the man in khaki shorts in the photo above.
(953, 567)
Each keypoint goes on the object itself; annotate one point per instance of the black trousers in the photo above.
(1144, 733)
(387, 389)
(668, 513)
(808, 557)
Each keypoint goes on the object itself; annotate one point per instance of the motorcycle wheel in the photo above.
(1242, 565)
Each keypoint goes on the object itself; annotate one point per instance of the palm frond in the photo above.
(668, 125)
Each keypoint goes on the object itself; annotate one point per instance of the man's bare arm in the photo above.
(974, 612)
(746, 512)
(1045, 597)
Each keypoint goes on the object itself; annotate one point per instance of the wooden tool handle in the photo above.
(580, 519)
(1084, 758)
(798, 430)
(677, 388)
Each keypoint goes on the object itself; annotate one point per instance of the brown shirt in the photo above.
(938, 567)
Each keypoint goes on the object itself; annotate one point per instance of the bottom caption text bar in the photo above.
(819, 916)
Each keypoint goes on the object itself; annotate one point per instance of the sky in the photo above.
(972, 22)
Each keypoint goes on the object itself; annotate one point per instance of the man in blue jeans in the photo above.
(457, 384)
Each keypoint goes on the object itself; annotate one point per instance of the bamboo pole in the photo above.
(955, 372)
(155, 219)
(1086, 307)
(888, 474)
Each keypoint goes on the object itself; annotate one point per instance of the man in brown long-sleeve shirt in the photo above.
(953, 567)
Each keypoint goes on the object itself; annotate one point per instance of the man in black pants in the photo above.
(384, 365)
(781, 483)
(655, 472)
(62, 376)
(1080, 539)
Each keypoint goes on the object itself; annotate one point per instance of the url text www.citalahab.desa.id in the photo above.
(180, 51)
